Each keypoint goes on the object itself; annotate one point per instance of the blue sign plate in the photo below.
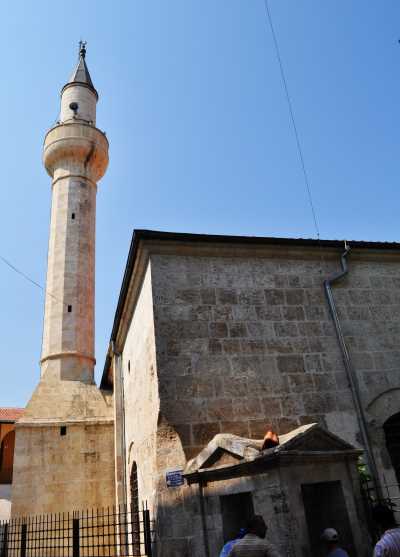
(174, 478)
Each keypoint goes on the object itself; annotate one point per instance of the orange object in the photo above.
(270, 440)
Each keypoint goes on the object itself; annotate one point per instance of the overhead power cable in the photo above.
(20, 272)
(291, 111)
(29, 279)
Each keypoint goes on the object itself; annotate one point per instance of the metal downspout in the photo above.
(123, 434)
(203, 518)
(121, 396)
(351, 374)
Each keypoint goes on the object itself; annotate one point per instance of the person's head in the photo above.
(256, 525)
(384, 517)
(330, 537)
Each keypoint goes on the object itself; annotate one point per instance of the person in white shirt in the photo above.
(389, 543)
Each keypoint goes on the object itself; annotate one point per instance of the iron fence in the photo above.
(91, 533)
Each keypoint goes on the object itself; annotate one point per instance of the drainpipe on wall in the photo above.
(203, 518)
(351, 374)
(123, 433)
(119, 405)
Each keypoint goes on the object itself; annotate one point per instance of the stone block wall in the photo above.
(57, 473)
(151, 443)
(247, 343)
(141, 395)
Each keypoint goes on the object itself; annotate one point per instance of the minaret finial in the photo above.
(82, 49)
(81, 74)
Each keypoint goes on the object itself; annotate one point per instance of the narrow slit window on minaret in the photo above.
(69, 309)
(63, 430)
(73, 216)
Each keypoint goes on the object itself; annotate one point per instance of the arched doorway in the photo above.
(392, 435)
(134, 500)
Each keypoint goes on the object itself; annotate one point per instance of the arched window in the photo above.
(135, 510)
(392, 433)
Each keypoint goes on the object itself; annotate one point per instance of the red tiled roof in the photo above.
(10, 414)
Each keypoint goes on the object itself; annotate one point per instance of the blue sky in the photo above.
(200, 136)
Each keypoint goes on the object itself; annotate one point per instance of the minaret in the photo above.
(64, 449)
(76, 157)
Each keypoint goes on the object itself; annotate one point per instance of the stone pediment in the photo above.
(226, 450)
(312, 438)
(221, 457)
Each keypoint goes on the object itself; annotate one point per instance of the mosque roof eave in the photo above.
(10, 415)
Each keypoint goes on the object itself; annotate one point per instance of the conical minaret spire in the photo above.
(81, 73)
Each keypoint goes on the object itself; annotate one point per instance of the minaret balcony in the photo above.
(76, 146)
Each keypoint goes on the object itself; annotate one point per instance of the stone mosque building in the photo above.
(216, 340)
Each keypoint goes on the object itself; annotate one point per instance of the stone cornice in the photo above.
(69, 354)
(74, 176)
(58, 423)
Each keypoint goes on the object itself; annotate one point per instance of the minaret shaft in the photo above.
(68, 333)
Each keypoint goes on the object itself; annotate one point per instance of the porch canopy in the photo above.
(229, 456)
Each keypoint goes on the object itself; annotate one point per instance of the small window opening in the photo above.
(73, 216)
(129, 365)
(69, 309)
(63, 430)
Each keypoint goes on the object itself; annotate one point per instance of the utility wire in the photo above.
(20, 272)
(29, 279)
(291, 111)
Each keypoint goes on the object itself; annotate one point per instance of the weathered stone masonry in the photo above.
(221, 335)
(235, 336)
(242, 341)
